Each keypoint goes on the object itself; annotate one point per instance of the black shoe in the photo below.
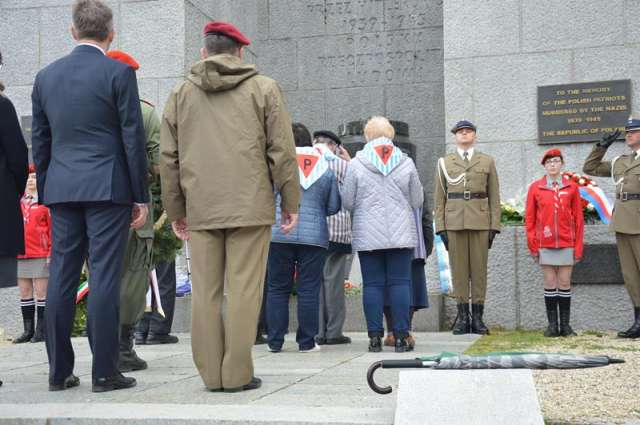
(401, 344)
(28, 332)
(477, 325)
(320, 340)
(375, 344)
(634, 330)
(462, 324)
(112, 383)
(153, 339)
(129, 362)
(141, 338)
(338, 341)
(551, 304)
(564, 305)
(69, 382)
(38, 336)
(260, 340)
(254, 384)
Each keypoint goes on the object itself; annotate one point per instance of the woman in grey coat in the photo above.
(382, 189)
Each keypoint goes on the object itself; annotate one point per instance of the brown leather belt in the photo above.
(626, 196)
(467, 195)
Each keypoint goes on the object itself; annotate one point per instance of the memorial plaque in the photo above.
(600, 264)
(582, 112)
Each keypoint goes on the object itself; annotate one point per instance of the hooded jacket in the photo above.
(226, 145)
(382, 205)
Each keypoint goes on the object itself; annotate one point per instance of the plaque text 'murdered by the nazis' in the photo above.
(582, 112)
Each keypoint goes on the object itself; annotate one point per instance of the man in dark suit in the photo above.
(88, 147)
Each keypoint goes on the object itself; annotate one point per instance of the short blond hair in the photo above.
(378, 127)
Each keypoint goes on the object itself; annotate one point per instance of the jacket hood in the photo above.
(220, 73)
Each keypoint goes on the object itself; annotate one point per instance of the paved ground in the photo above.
(315, 388)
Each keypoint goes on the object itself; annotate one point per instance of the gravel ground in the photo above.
(604, 395)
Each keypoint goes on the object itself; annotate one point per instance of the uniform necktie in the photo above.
(466, 157)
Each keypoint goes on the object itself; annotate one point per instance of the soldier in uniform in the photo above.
(625, 172)
(467, 217)
(138, 254)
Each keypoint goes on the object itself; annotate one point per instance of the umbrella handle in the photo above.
(371, 382)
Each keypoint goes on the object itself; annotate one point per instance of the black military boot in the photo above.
(28, 309)
(128, 360)
(401, 344)
(564, 305)
(634, 330)
(375, 342)
(551, 302)
(462, 324)
(477, 325)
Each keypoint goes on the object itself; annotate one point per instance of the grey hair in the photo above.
(92, 20)
(322, 139)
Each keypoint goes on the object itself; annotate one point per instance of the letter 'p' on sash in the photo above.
(311, 166)
(383, 154)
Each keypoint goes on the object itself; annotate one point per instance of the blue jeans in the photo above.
(386, 272)
(283, 258)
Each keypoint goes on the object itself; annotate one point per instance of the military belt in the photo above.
(626, 196)
(467, 195)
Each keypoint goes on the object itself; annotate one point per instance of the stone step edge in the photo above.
(147, 414)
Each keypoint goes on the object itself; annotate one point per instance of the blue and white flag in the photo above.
(444, 270)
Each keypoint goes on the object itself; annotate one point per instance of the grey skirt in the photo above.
(33, 268)
(556, 257)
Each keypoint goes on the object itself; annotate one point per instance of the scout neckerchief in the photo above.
(311, 166)
(383, 154)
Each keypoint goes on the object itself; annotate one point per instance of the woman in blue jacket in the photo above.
(304, 247)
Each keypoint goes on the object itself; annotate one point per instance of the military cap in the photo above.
(329, 135)
(123, 57)
(633, 123)
(551, 153)
(226, 29)
(463, 124)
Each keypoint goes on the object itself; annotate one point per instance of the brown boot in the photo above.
(390, 340)
(411, 341)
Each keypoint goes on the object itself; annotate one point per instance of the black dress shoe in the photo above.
(254, 384)
(153, 339)
(339, 340)
(112, 383)
(320, 340)
(69, 382)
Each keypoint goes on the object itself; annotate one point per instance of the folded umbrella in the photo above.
(490, 361)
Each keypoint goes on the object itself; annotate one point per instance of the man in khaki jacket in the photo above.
(625, 172)
(226, 144)
(467, 218)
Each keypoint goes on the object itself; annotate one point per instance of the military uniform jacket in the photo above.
(152, 147)
(626, 171)
(467, 214)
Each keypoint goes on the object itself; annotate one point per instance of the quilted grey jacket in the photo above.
(382, 206)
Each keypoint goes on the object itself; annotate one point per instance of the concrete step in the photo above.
(177, 414)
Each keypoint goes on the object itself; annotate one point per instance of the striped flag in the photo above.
(83, 290)
(444, 270)
(596, 197)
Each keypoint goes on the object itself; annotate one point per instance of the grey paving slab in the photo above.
(325, 387)
(471, 397)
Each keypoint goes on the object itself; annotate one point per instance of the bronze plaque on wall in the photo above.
(582, 112)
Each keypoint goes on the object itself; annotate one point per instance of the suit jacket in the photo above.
(13, 178)
(626, 214)
(87, 131)
(473, 214)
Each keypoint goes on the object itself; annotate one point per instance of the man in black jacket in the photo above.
(88, 147)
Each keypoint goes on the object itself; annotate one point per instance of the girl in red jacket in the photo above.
(555, 227)
(33, 266)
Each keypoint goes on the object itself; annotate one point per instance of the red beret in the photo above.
(551, 153)
(223, 28)
(124, 58)
(32, 168)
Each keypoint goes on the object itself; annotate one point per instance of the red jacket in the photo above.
(554, 220)
(37, 229)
